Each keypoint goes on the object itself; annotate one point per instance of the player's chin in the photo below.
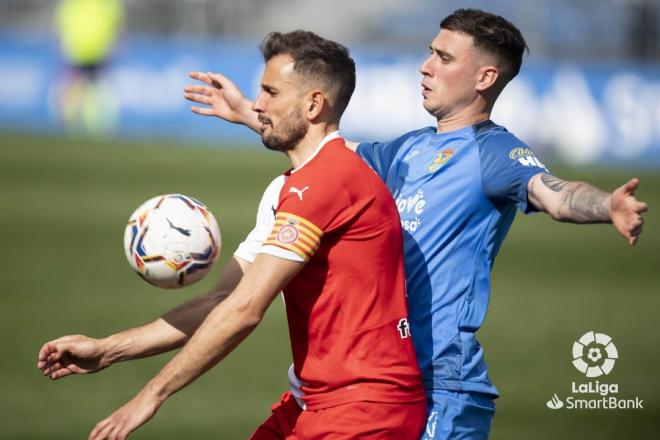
(429, 107)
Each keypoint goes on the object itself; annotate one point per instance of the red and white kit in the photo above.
(346, 308)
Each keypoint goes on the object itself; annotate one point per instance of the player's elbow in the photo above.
(553, 205)
(556, 213)
(251, 320)
(247, 314)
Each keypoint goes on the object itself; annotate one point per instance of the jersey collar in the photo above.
(475, 128)
(329, 137)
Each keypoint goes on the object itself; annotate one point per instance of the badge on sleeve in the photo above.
(296, 234)
(526, 157)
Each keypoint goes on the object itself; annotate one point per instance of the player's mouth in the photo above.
(425, 90)
(265, 122)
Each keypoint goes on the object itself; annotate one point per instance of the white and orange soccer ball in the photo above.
(172, 240)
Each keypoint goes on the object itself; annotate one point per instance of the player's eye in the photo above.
(269, 91)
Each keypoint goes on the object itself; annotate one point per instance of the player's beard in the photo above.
(290, 131)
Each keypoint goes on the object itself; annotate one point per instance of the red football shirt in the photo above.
(346, 308)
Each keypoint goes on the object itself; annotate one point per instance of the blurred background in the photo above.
(93, 123)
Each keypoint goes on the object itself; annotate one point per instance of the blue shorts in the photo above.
(459, 416)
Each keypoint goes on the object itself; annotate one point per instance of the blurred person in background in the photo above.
(457, 187)
(88, 31)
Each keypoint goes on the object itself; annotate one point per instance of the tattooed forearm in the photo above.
(552, 182)
(578, 202)
(587, 204)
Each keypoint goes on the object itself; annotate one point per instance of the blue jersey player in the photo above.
(457, 193)
(457, 187)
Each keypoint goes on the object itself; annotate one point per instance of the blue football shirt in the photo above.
(457, 195)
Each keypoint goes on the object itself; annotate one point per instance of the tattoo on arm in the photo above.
(553, 183)
(579, 202)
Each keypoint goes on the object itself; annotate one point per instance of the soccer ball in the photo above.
(172, 241)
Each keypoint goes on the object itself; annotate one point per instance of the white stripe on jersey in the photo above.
(253, 243)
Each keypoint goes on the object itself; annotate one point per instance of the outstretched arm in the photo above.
(579, 202)
(224, 328)
(78, 354)
(223, 99)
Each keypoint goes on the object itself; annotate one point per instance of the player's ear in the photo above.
(315, 104)
(487, 77)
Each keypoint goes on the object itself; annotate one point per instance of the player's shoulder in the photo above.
(493, 138)
(396, 143)
(497, 144)
(277, 182)
(337, 170)
(274, 187)
(506, 162)
(334, 163)
(414, 134)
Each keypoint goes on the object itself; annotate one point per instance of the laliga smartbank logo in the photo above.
(594, 355)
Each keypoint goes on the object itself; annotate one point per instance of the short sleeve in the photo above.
(380, 155)
(507, 165)
(308, 209)
(250, 247)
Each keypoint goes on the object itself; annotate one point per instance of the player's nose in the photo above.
(425, 68)
(258, 104)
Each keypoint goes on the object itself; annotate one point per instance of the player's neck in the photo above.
(310, 143)
(456, 122)
(478, 110)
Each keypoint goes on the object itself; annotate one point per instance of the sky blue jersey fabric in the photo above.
(457, 194)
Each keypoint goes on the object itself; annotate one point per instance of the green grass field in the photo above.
(64, 208)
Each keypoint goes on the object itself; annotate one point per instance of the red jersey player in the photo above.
(335, 250)
(346, 307)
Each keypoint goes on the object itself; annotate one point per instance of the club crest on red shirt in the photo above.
(287, 234)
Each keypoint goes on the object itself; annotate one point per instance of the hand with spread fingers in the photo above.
(223, 99)
(626, 211)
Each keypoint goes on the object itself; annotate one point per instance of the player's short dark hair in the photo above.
(318, 60)
(492, 34)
